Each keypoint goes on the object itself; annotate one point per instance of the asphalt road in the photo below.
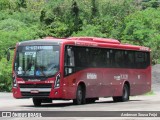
(148, 103)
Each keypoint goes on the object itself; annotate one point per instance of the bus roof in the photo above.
(95, 39)
(106, 42)
(88, 42)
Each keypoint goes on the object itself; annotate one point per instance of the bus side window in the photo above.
(139, 60)
(111, 58)
(119, 61)
(147, 59)
(107, 59)
(69, 60)
(131, 61)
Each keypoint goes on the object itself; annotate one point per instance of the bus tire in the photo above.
(125, 95)
(37, 102)
(80, 96)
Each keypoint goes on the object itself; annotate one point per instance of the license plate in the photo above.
(34, 91)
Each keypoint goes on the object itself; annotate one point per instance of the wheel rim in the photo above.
(79, 95)
(125, 92)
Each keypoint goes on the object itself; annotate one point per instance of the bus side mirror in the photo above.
(8, 53)
(69, 51)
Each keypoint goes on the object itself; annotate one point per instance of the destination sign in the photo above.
(38, 47)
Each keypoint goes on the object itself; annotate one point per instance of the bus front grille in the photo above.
(40, 94)
(35, 85)
(35, 90)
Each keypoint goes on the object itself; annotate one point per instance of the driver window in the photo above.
(69, 60)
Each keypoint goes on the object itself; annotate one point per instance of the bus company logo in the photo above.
(91, 76)
(6, 114)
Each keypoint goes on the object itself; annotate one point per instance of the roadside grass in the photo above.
(146, 94)
(150, 93)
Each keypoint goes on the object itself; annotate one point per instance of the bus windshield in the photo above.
(37, 61)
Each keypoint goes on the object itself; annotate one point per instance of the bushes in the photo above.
(5, 75)
(13, 30)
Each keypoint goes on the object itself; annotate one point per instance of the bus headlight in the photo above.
(14, 82)
(57, 82)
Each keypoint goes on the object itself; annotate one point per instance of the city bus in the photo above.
(81, 69)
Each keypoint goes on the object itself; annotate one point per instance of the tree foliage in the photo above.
(131, 21)
(142, 29)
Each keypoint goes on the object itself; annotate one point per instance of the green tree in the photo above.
(94, 9)
(143, 28)
(75, 16)
(150, 3)
(4, 4)
(22, 3)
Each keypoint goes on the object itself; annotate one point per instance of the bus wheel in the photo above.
(125, 95)
(37, 102)
(80, 96)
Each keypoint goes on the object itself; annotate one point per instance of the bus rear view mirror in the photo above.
(8, 53)
(69, 51)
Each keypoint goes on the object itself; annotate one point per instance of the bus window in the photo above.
(69, 60)
(142, 59)
(130, 62)
(139, 59)
(147, 59)
(107, 59)
(82, 57)
(119, 59)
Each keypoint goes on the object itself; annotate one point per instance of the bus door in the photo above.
(69, 71)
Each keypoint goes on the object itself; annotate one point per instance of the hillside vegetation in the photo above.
(130, 21)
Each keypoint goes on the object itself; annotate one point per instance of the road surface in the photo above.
(149, 103)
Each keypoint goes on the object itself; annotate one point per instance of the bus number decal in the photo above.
(117, 77)
(121, 77)
(91, 76)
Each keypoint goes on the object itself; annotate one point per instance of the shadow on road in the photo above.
(115, 102)
(71, 104)
(51, 105)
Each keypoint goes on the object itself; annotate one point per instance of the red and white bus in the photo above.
(81, 69)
